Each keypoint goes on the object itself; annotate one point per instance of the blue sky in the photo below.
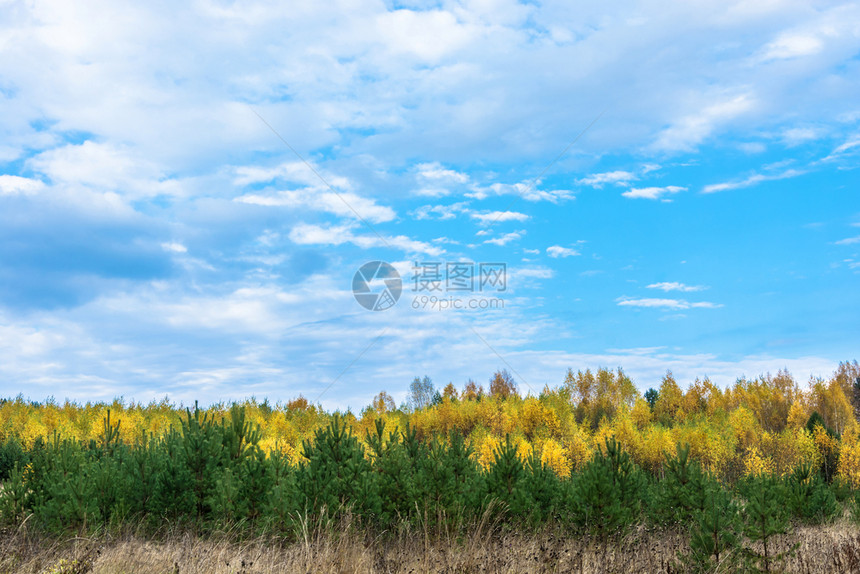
(187, 192)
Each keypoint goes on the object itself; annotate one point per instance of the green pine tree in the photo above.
(337, 477)
(505, 480)
(607, 494)
(682, 492)
(808, 497)
(715, 532)
(765, 517)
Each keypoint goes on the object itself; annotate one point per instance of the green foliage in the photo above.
(505, 480)
(11, 454)
(394, 466)
(448, 484)
(682, 492)
(715, 532)
(808, 497)
(202, 453)
(607, 495)
(14, 501)
(280, 507)
(830, 458)
(544, 490)
(651, 395)
(765, 517)
(337, 477)
(210, 474)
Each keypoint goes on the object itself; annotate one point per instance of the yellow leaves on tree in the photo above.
(829, 400)
(578, 448)
(641, 413)
(849, 458)
(756, 464)
(535, 419)
(797, 415)
(554, 457)
(669, 402)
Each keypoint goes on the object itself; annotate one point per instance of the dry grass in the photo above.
(831, 548)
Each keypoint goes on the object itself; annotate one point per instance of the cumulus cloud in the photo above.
(491, 217)
(675, 286)
(506, 238)
(345, 204)
(792, 45)
(556, 251)
(614, 177)
(142, 146)
(174, 247)
(310, 234)
(439, 211)
(527, 191)
(16, 185)
(652, 192)
(105, 167)
(436, 172)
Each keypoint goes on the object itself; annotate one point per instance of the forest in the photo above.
(730, 472)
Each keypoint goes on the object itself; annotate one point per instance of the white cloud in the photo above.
(367, 91)
(614, 177)
(106, 168)
(652, 192)
(675, 304)
(309, 234)
(432, 192)
(16, 185)
(692, 129)
(291, 171)
(797, 136)
(174, 247)
(436, 172)
(847, 147)
(442, 212)
(675, 286)
(491, 217)
(344, 204)
(427, 36)
(754, 179)
(527, 191)
(792, 45)
(506, 238)
(849, 241)
(556, 251)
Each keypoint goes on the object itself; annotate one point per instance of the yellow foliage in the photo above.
(486, 451)
(755, 463)
(725, 428)
(745, 427)
(524, 448)
(641, 413)
(797, 416)
(578, 449)
(534, 417)
(553, 456)
(849, 459)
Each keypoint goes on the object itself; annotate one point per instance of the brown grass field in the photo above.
(823, 549)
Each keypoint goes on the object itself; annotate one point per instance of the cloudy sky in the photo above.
(186, 193)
